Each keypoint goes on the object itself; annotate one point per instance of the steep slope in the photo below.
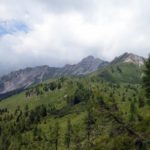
(125, 68)
(104, 116)
(19, 80)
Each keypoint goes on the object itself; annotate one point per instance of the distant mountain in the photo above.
(24, 78)
(21, 79)
(126, 68)
(129, 58)
(85, 66)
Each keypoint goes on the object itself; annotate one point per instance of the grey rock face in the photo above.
(130, 58)
(86, 66)
(24, 78)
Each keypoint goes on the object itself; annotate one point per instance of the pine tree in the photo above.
(146, 78)
(37, 133)
(141, 102)
(77, 137)
(133, 111)
(56, 135)
(26, 110)
(0, 130)
(89, 122)
(68, 134)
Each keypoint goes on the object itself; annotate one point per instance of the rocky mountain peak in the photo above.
(132, 58)
(90, 57)
(89, 60)
(129, 58)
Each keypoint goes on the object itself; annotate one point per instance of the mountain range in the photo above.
(118, 69)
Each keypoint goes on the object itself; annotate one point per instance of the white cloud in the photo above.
(64, 31)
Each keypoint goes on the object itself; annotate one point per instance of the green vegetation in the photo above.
(146, 78)
(121, 72)
(85, 113)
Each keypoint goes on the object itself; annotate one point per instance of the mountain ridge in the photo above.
(24, 78)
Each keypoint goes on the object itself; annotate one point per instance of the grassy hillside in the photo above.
(76, 113)
(121, 72)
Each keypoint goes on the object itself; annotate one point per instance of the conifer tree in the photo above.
(146, 78)
(133, 111)
(68, 134)
(56, 135)
(89, 121)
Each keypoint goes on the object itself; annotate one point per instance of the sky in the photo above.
(59, 32)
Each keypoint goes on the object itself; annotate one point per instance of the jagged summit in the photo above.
(129, 58)
(89, 57)
(90, 61)
(86, 65)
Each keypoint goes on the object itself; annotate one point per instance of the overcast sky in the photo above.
(56, 32)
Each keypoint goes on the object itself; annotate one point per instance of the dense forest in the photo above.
(78, 113)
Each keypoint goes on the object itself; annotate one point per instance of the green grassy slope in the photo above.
(121, 72)
(106, 115)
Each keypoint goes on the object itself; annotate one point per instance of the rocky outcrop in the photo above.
(129, 58)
